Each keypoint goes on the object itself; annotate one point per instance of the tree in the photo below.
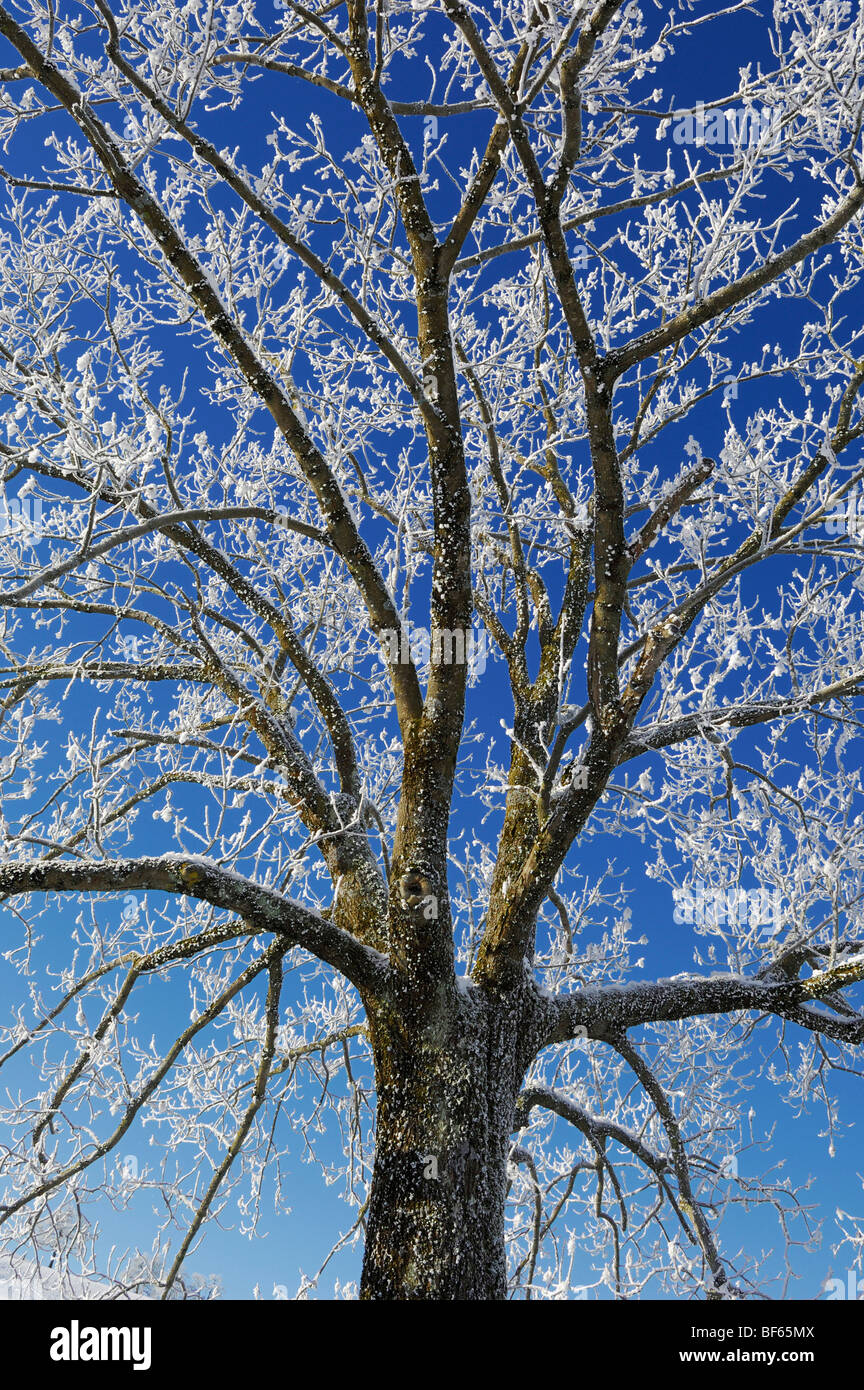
(318, 451)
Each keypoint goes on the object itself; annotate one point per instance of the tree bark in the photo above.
(445, 1114)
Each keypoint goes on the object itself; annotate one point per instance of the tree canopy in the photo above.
(431, 442)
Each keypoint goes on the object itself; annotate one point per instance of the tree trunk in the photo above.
(435, 1228)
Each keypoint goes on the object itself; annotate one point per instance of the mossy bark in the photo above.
(435, 1227)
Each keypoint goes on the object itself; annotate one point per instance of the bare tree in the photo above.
(306, 415)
